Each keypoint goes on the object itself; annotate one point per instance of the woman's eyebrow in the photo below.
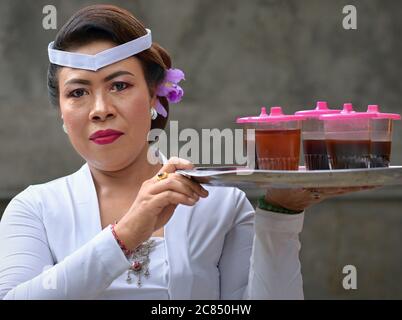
(116, 74)
(108, 78)
(79, 81)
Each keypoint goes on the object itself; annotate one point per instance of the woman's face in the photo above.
(115, 97)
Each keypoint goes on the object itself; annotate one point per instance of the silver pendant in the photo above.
(140, 262)
(128, 280)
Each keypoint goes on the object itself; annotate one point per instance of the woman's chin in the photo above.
(108, 165)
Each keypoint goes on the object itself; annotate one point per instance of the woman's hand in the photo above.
(156, 202)
(300, 199)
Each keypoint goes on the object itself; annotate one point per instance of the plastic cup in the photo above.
(313, 137)
(381, 125)
(347, 136)
(277, 139)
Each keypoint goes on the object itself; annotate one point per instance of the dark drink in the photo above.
(278, 149)
(380, 154)
(381, 136)
(315, 155)
(345, 154)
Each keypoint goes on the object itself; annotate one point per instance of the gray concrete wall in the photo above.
(238, 56)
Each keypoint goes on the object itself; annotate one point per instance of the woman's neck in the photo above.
(126, 180)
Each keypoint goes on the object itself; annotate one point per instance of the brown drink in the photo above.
(278, 149)
(277, 139)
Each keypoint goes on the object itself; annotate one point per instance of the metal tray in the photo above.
(250, 178)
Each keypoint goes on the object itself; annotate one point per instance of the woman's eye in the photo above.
(77, 93)
(119, 86)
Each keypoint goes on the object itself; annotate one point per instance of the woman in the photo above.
(174, 239)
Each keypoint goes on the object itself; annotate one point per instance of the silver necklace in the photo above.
(139, 260)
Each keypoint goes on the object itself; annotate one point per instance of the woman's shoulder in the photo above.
(36, 195)
(56, 185)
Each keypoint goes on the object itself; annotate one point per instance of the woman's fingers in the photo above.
(172, 184)
(299, 199)
(179, 183)
(170, 197)
(175, 163)
(340, 191)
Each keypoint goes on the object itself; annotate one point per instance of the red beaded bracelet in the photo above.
(126, 251)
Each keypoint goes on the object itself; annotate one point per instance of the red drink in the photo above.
(277, 139)
(278, 149)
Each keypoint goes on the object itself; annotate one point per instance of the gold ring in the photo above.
(315, 194)
(162, 175)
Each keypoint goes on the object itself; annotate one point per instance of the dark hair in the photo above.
(111, 23)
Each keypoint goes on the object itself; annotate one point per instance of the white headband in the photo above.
(101, 59)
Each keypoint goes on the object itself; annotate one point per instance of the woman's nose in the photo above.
(102, 110)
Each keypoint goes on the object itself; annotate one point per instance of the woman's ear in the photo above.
(153, 101)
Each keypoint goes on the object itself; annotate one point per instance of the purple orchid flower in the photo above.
(175, 95)
(170, 89)
(160, 109)
(174, 75)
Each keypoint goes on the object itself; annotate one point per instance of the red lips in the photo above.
(105, 136)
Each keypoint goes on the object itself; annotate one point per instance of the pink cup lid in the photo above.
(375, 111)
(346, 113)
(321, 108)
(276, 115)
